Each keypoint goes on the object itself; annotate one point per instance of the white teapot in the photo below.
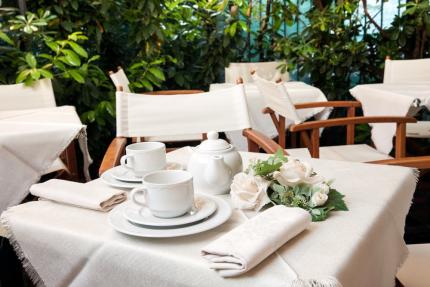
(213, 164)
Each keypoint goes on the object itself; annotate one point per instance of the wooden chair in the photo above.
(414, 71)
(40, 95)
(140, 115)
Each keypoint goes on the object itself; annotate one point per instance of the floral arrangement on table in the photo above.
(280, 180)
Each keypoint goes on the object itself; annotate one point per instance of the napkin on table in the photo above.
(247, 245)
(78, 194)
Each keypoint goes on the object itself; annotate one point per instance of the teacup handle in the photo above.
(126, 158)
(137, 191)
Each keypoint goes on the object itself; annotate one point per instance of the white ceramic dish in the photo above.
(123, 174)
(137, 214)
(122, 225)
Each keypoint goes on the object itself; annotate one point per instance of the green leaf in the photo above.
(5, 38)
(335, 201)
(71, 57)
(157, 73)
(94, 58)
(46, 73)
(76, 75)
(78, 49)
(22, 76)
(31, 60)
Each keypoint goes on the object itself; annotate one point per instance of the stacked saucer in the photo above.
(121, 177)
(132, 219)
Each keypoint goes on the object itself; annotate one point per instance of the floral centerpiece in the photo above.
(280, 180)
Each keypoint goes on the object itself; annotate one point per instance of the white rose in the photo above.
(318, 199)
(322, 187)
(294, 172)
(249, 192)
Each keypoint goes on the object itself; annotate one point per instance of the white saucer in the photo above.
(111, 181)
(137, 214)
(121, 224)
(123, 174)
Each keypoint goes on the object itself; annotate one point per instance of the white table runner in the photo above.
(361, 247)
(390, 100)
(30, 141)
(299, 93)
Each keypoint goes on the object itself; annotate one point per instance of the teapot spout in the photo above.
(217, 172)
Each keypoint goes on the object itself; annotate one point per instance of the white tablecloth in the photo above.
(299, 93)
(390, 100)
(360, 247)
(30, 141)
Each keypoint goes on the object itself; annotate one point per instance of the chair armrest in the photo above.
(113, 154)
(257, 139)
(420, 162)
(347, 121)
(332, 104)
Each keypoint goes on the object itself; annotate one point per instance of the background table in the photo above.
(299, 93)
(361, 247)
(30, 142)
(390, 100)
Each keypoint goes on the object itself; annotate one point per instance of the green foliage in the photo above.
(300, 196)
(265, 168)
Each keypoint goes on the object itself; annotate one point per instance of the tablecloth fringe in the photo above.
(327, 282)
(26, 264)
(83, 144)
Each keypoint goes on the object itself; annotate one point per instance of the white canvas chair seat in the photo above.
(266, 70)
(415, 270)
(120, 80)
(421, 129)
(406, 71)
(140, 115)
(277, 98)
(22, 97)
(354, 153)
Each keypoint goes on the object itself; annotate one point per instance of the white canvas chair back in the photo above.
(140, 115)
(266, 70)
(406, 71)
(120, 79)
(22, 97)
(276, 97)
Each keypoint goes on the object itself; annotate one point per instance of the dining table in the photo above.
(63, 245)
(403, 99)
(30, 144)
(299, 92)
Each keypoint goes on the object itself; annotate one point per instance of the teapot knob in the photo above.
(212, 135)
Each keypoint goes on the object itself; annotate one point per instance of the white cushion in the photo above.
(420, 129)
(175, 138)
(415, 272)
(355, 153)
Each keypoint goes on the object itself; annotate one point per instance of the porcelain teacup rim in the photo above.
(145, 146)
(186, 178)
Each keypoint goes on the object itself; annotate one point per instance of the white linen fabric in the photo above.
(267, 70)
(21, 97)
(147, 115)
(120, 79)
(30, 141)
(78, 194)
(407, 71)
(244, 247)
(361, 247)
(389, 100)
(298, 92)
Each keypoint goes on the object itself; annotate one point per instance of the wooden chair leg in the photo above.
(69, 158)
(400, 140)
(315, 143)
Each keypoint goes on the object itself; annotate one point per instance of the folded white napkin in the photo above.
(247, 245)
(78, 194)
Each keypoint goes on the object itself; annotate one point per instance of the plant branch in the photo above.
(367, 14)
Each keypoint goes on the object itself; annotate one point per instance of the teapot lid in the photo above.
(213, 143)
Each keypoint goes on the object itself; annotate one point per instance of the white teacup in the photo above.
(166, 193)
(142, 158)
